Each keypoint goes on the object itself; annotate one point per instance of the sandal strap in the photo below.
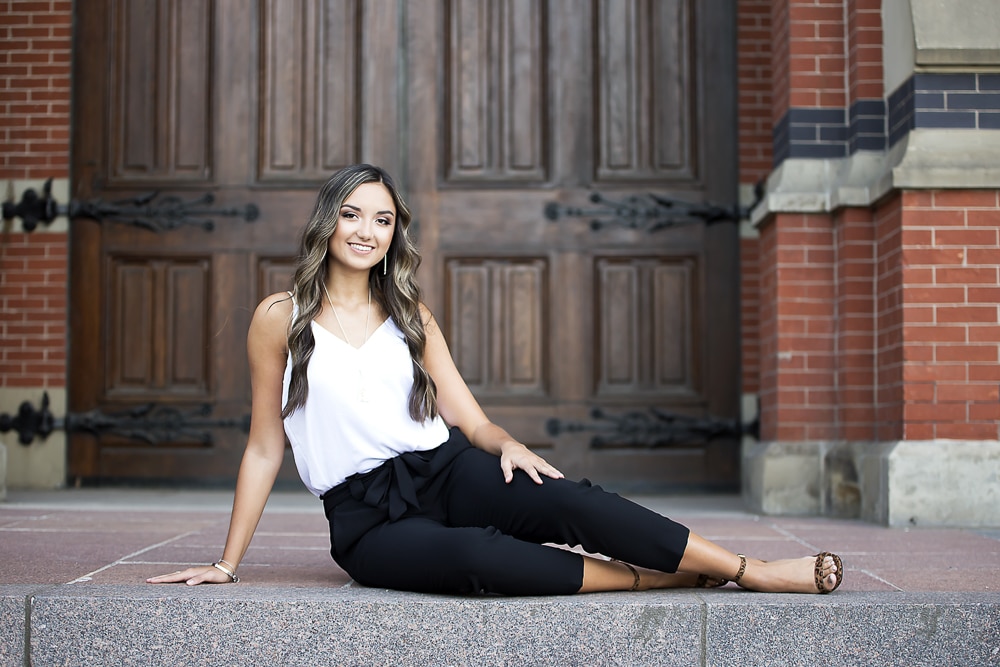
(635, 573)
(818, 571)
(743, 568)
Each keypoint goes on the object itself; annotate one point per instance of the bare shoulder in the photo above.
(271, 318)
(278, 305)
(427, 317)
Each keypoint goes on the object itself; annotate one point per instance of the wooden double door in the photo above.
(500, 119)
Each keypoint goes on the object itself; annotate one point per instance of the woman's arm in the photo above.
(266, 348)
(458, 407)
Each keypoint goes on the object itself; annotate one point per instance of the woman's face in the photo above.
(366, 223)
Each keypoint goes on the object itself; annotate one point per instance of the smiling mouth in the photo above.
(360, 248)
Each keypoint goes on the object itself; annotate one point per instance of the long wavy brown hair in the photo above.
(396, 292)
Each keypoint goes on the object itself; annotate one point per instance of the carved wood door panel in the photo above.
(522, 107)
(252, 103)
(488, 112)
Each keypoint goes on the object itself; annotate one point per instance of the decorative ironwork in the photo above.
(150, 423)
(170, 212)
(655, 429)
(650, 212)
(29, 423)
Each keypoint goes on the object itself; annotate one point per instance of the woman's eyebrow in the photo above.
(358, 209)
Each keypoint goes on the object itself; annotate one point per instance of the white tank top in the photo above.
(356, 415)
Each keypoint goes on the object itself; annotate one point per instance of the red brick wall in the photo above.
(854, 247)
(780, 50)
(883, 324)
(889, 322)
(750, 303)
(864, 53)
(754, 72)
(755, 156)
(798, 328)
(35, 64)
(33, 303)
(950, 274)
(809, 57)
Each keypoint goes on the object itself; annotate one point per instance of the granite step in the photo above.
(133, 625)
(73, 562)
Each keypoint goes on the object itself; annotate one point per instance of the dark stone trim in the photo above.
(866, 126)
(989, 121)
(942, 101)
(830, 133)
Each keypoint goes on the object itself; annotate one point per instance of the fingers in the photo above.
(171, 578)
(533, 474)
(534, 469)
(549, 471)
(508, 470)
(191, 576)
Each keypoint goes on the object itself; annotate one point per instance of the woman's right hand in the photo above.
(205, 574)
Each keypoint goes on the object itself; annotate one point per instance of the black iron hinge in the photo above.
(651, 212)
(145, 211)
(150, 423)
(653, 429)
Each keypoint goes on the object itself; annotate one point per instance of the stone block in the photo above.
(862, 629)
(3, 471)
(12, 616)
(42, 464)
(956, 38)
(783, 477)
(943, 483)
(350, 626)
(873, 472)
(842, 495)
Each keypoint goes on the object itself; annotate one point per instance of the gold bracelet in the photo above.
(229, 573)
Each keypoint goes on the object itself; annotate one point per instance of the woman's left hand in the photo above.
(515, 456)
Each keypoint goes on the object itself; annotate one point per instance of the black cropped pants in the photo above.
(444, 521)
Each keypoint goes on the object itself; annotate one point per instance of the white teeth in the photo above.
(360, 248)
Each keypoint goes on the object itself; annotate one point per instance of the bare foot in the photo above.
(792, 575)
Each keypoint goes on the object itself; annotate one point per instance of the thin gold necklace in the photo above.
(362, 395)
(340, 324)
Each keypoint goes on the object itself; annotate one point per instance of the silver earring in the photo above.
(385, 263)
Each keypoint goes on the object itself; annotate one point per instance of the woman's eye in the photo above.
(348, 214)
(384, 221)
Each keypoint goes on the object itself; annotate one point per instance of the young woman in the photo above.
(422, 491)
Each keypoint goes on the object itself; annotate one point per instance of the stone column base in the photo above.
(42, 464)
(904, 483)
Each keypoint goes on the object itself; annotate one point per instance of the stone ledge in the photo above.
(965, 37)
(924, 159)
(853, 629)
(783, 478)
(904, 483)
(231, 625)
(98, 625)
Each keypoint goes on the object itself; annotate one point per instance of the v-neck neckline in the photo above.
(342, 340)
